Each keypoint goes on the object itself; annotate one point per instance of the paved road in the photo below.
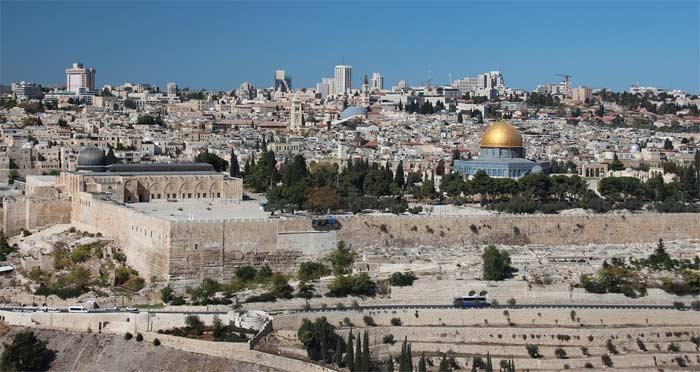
(366, 307)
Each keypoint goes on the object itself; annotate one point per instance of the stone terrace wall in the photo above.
(495, 317)
(438, 231)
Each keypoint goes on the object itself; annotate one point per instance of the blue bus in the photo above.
(471, 301)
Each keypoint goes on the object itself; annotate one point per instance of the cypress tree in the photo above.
(358, 355)
(235, 168)
(390, 364)
(365, 351)
(489, 365)
(443, 364)
(399, 179)
(422, 367)
(324, 347)
(349, 354)
(409, 359)
(339, 352)
(402, 359)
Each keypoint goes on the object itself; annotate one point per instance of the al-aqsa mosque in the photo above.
(501, 155)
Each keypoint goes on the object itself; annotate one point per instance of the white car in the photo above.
(132, 309)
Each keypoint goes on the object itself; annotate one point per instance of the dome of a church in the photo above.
(502, 134)
(91, 157)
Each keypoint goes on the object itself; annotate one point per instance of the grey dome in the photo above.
(536, 169)
(91, 157)
(353, 111)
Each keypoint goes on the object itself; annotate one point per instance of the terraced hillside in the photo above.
(538, 340)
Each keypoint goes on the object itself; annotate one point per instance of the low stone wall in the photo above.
(495, 317)
(146, 323)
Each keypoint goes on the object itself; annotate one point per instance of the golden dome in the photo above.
(501, 134)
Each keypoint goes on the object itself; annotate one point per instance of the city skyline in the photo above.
(601, 45)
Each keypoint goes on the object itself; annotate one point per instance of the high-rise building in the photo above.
(172, 89)
(581, 94)
(283, 83)
(78, 77)
(326, 87)
(377, 81)
(343, 79)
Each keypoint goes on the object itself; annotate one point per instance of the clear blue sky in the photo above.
(218, 45)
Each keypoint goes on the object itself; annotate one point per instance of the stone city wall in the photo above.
(14, 215)
(438, 231)
(215, 248)
(144, 239)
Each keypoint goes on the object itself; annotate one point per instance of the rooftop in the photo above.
(192, 210)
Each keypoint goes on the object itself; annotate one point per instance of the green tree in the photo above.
(310, 270)
(350, 354)
(496, 264)
(234, 169)
(422, 366)
(218, 163)
(166, 294)
(399, 177)
(315, 336)
(279, 286)
(342, 259)
(26, 353)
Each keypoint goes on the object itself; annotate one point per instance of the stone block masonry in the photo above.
(185, 251)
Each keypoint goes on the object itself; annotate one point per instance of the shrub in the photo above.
(194, 325)
(695, 305)
(611, 348)
(673, 347)
(156, 342)
(119, 257)
(606, 360)
(560, 353)
(369, 321)
(678, 305)
(396, 322)
(388, 339)
(588, 365)
(310, 270)
(584, 351)
(128, 336)
(347, 322)
(511, 302)
(533, 350)
(264, 297)
(139, 337)
(178, 301)
(166, 294)
(402, 279)
(641, 345)
(357, 285)
(680, 361)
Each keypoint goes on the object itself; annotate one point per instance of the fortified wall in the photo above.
(446, 231)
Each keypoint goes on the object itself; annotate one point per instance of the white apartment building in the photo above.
(79, 77)
(343, 79)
